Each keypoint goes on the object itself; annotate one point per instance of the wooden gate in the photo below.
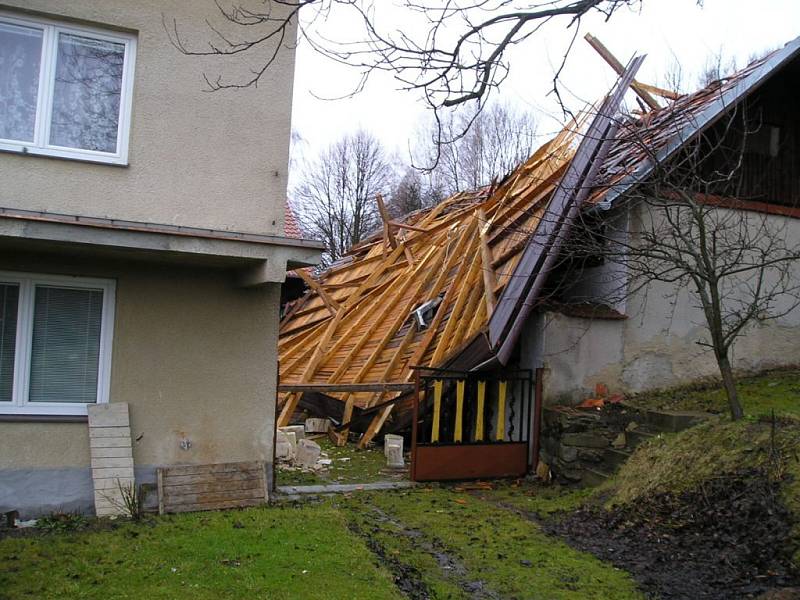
(470, 425)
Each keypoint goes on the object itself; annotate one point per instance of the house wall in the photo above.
(656, 346)
(193, 356)
(216, 160)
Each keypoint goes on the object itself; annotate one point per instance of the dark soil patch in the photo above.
(407, 578)
(450, 565)
(729, 538)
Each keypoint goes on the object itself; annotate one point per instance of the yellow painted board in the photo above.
(437, 410)
(479, 420)
(459, 429)
(501, 412)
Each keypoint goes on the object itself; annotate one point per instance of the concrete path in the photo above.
(290, 492)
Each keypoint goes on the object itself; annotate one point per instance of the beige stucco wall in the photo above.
(656, 346)
(192, 355)
(216, 160)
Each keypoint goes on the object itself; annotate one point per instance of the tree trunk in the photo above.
(730, 387)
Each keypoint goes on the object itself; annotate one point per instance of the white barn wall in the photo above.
(655, 347)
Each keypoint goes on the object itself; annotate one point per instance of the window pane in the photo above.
(66, 344)
(20, 56)
(87, 92)
(9, 299)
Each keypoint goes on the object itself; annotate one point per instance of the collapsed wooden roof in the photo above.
(353, 337)
(355, 325)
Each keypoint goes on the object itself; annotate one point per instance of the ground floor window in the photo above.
(55, 343)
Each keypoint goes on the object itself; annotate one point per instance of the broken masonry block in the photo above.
(391, 439)
(285, 445)
(298, 430)
(393, 450)
(315, 425)
(307, 454)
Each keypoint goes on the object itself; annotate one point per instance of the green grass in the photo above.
(542, 500)
(358, 466)
(315, 551)
(759, 395)
(275, 553)
(677, 462)
(492, 543)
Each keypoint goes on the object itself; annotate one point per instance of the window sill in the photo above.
(114, 161)
(9, 418)
(47, 409)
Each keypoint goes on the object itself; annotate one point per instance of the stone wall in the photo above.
(588, 445)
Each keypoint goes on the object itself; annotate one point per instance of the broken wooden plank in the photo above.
(606, 55)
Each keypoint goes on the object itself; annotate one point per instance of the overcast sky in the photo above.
(666, 30)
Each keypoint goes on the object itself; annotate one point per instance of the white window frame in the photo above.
(44, 104)
(27, 282)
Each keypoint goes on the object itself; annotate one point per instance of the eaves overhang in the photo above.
(257, 258)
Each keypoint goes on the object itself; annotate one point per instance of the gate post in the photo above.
(537, 414)
(415, 422)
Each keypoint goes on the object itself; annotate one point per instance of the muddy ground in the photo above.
(729, 539)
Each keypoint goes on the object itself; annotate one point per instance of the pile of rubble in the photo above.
(294, 451)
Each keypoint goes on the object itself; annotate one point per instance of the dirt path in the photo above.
(727, 540)
(408, 578)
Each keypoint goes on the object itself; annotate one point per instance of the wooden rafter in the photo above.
(489, 281)
(332, 305)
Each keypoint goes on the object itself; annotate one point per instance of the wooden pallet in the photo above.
(191, 488)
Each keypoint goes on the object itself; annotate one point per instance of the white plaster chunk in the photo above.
(314, 425)
(285, 445)
(393, 450)
(298, 430)
(308, 453)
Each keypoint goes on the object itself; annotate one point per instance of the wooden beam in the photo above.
(486, 263)
(464, 282)
(388, 231)
(669, 95)
(375, 426)
(409, 255)
(404, 313)
(332, 305)
(409, 227)
(605, 53)
(333, 388)
(289, 406)
(430, 332)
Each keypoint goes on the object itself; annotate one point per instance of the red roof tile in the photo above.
(291, 226)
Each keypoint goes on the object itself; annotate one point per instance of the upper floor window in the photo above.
(65, 90)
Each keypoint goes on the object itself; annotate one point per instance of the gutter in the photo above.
(521, 294)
